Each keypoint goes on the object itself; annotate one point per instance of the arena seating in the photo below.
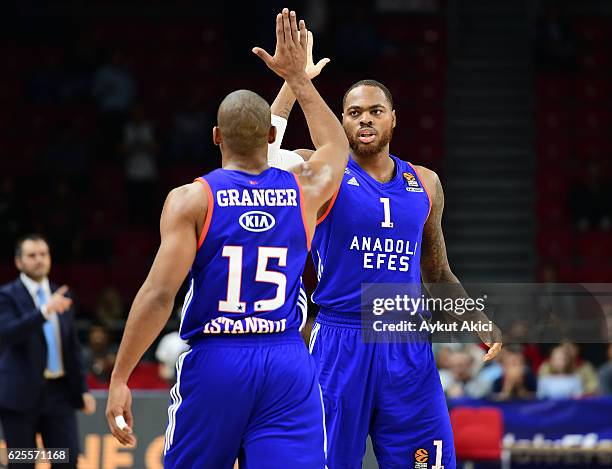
(573, 122)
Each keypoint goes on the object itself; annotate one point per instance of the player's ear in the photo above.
(394, 117)
(216, 136)
(272, 134)
(18, 263)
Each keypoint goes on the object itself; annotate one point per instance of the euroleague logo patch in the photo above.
(421, 456)
(413, 184)
(256, 221)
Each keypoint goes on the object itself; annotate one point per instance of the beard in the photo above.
(369, 149)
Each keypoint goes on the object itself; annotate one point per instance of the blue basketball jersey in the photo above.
(370, 233)
(246, 276)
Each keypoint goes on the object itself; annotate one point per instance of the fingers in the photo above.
(304, 35)
(128, 417)
(294, 27)
(492, 352)
(309, 45)
(62, 290)
(123, 434)
(286, 27)
(322, 63)
(263, 55)
(280, 35)
(58, 303)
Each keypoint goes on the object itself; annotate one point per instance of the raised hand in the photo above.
(312, 69)
(58, 303)
(289, 60)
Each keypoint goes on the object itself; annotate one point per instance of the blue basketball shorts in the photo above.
(255, 398)
(391, 391)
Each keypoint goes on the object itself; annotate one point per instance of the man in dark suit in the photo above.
(42, 380)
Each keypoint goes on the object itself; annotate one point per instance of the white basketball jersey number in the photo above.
(438, 464)
(232, 303)
(387, 223)
(263, 275)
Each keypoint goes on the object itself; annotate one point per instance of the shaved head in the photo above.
(244, 121)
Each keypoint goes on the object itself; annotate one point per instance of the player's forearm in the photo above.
(324, 127)
(284, 101)
(438, 274)
(148, 316)
(443, 283)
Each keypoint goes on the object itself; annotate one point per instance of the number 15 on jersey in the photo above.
(232, 302)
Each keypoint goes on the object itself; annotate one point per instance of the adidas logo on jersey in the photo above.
(353, 182)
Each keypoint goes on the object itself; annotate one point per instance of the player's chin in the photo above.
(365, 148)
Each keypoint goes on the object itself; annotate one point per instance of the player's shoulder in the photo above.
(425, 172)
(188, 199)
(429, 177)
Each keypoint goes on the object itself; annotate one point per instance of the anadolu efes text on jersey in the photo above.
(246, 277)
(370, 233)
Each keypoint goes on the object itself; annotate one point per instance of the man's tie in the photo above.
(53, 359)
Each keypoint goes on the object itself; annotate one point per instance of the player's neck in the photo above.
(380, 165)
(253, 163)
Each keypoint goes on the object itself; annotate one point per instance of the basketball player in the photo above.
(247, 388)
(390, 390)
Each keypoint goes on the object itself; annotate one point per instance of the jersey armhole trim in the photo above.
(418, 174)
(209, 212)
(303, 210)
(332, 201)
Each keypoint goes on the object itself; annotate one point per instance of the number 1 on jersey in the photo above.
(387, 223)
(438, 464)
(232, 303)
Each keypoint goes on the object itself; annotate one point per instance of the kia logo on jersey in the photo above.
(257, 221)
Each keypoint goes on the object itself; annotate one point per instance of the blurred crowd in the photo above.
(545, 371)
(522, 371)
(573, 63)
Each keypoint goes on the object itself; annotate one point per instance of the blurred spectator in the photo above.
(555, 41)
(517, 381)
(558, 376)
(586, 371)
(109, 307)
(591, 201)
(190, 133)
(114, 91)
(99, 355)
(113, 86)
(605, 374)
(459, 379)
(169, 349)
(139, 148)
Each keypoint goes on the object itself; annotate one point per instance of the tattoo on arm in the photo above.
(434, 261)
(437, 276)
